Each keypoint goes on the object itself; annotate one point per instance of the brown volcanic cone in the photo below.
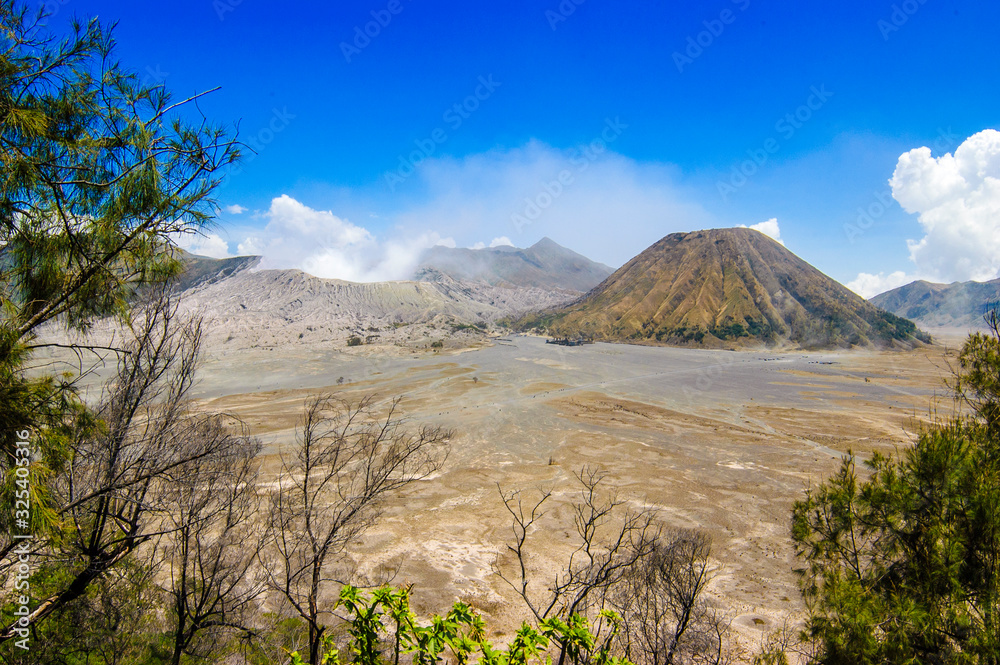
(732, 285)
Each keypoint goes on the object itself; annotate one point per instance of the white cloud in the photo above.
(446, 242)
(501, 241)
(867, 285)
(202, 244)
(250, 246)
(768, 228)
(235, 209)
(322, 244)
(957, 199)
(606, 206)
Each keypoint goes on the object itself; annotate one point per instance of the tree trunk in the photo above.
(315, 644)
(76, 588)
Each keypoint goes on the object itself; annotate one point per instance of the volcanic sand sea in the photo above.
(723, 441)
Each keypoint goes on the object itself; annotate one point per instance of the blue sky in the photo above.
(603, 125)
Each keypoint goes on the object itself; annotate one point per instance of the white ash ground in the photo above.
(716, 440)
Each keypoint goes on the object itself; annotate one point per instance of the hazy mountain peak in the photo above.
(546, 265)
(956, 305)
(547, 243)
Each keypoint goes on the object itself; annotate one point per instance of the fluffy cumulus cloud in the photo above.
(867, 285)
(768, 228)
(235, 209)
(202, 244)
(322, 244)
(956, 198)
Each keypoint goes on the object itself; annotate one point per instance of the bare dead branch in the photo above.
(349, 458)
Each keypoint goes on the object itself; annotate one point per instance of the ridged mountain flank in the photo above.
(957, 305)
(725, 287)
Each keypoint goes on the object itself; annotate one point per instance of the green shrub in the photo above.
(902, 559)
(382, 628)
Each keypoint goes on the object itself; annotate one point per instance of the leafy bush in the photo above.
(382, 628)
(903, 561)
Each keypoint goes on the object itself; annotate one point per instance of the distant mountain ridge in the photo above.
(239, 284)
(544, 265)
(198, 270)
(257, 306)
(722, 287)
(955, 305)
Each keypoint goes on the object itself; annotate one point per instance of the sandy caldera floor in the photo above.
(717, 440)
